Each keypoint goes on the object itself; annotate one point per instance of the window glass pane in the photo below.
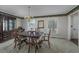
(32, 24)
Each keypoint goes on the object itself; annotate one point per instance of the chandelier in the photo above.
(28, 17)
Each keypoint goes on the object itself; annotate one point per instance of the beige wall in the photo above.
(18, 22)
(62, 26)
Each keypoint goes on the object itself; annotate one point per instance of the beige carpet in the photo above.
(57, 46)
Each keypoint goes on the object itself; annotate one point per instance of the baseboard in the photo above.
(58, 37)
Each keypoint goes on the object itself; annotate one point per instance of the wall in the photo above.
(18, 22)
(78, 28)
(23, 23)
(62, 26)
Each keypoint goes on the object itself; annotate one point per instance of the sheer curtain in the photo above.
(32, 25)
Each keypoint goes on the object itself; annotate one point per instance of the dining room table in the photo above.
(32, 38)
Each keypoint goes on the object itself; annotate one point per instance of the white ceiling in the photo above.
(36, 10)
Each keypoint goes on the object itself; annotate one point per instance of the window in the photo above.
(32, 24)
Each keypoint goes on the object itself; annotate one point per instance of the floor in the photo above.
(57, 46)
(75, 41)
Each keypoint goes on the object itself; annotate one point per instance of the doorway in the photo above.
(74, 28)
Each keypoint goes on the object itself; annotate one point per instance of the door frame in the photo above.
(69, 25)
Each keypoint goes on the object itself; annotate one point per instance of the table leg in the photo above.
(29, 46)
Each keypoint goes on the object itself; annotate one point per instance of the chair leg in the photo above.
(29, 48)
(49, 44)
(36, 48)
(26, 41)
(19, 46)
(15, 43)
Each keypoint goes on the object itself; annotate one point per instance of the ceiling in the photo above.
(36, 10)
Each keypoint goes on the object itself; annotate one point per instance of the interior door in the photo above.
(74, 27)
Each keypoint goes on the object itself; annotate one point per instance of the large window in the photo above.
(32, 24)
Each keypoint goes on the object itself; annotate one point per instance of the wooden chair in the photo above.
(38, 43)
(18, 40)
(47, 37)
(35, 42)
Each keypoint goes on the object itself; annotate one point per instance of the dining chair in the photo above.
(34, 41)
(38, 43)
(30, 33)
(18, 39)
(47, 33)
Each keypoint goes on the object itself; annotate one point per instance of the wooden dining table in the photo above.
(33, 37)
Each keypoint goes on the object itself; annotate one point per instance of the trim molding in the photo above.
(58, 37)
(73, 10)
(49, 16)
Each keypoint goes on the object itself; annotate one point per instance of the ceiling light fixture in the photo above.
(29, 17)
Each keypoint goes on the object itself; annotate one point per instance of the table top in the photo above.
(32, 34)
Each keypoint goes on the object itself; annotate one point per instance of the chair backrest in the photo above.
(41, 37)
(15, 35)
(46, 30)
(47, 33)
(31, 33)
